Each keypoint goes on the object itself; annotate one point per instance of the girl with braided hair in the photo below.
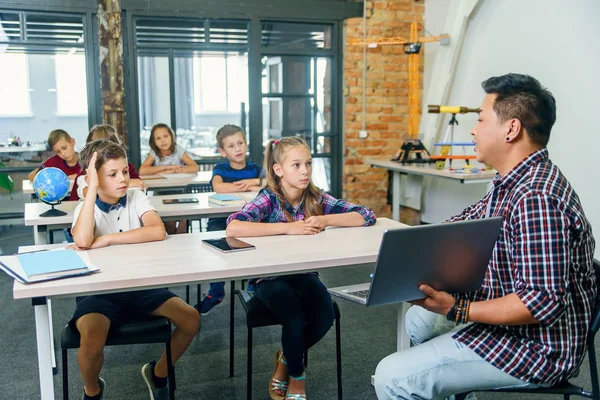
(292, 205)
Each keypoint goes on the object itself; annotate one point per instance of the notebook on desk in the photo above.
(452, 257)
(46, 265)
(223, 199)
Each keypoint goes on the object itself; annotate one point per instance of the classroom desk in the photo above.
(397, 169)
(176, 261)
(164, 181)
(167, 212)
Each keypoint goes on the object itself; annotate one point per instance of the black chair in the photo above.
(149, 330)
(195, 188)
(568, 389)
(257, 316)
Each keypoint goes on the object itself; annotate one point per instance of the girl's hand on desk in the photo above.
(317, 221)
(302, 228)
(137, 183)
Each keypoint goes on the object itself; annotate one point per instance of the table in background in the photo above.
(398, 169)
(167, 212)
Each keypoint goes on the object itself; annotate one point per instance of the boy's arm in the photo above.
(152, 231)
(33, 173)
(244, 185)
(83, 228)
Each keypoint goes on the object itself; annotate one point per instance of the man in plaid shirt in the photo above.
(528, 324)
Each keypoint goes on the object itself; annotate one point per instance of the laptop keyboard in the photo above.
(360, 293)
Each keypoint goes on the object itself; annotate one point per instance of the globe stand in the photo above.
(53, 212)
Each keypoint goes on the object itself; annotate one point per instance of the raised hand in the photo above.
(302, 228)
(91, 173)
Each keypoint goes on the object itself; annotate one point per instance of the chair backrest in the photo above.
(199, 188)
(596, 316)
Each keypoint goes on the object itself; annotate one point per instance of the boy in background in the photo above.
(65, 158)
(236, 175)
(109, 215)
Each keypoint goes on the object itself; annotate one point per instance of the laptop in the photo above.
(452, 257)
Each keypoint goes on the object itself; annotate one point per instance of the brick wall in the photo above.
(386, 99)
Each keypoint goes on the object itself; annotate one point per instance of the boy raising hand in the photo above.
(111, 215)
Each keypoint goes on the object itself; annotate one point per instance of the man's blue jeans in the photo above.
(438, 366)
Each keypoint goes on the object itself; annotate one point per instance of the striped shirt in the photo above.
(543, 254)
(266, 207)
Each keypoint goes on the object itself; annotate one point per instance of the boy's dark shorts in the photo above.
(118, 306)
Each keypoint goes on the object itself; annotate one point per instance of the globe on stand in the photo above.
(51, 185)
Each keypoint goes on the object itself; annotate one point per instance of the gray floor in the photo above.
(368, 335)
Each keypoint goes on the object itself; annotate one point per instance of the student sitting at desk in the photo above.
(107, 132)
(528, 324)
(65, 157)
(236, 175)
(166, 156)
(300, 301)
(112, 215)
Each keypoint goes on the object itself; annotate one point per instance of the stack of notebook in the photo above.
(46, 265)
(222, 199)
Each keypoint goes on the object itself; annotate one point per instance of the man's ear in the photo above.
(515, 128)
(277, 170)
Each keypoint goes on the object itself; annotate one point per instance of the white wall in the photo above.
(555, 41)
(43, 108)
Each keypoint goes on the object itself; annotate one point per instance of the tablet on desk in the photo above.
(228, 245)
(180, 201)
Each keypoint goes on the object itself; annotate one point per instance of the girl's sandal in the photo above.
(275, 384)
(291, 396)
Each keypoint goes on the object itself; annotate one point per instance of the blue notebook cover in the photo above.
(47, 262)
(224, 197)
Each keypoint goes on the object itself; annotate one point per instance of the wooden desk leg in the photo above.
(44, 348)
(396, 195)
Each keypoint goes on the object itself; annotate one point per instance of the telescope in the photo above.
(435, 109)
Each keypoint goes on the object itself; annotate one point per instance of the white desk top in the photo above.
(164, 181)
(429, 170)
(23, 149)
(202, 208)
(183, 258)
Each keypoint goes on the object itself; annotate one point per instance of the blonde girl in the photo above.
(291, 204)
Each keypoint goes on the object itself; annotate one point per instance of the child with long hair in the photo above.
(167, 157)
(291, 204)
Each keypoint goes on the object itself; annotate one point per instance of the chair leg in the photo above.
(231, 327)
(249, 367)
(338, 351)
(187, 294)
(566, 397)
(171, 371)
(243, 284)
(198, 295)
(306, 359)
(65, 374)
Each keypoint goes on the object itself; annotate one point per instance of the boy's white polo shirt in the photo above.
(121, 217)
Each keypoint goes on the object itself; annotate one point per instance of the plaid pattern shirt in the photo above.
(266, 207)
(544, 255)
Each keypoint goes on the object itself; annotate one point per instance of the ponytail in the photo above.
(274, 154)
